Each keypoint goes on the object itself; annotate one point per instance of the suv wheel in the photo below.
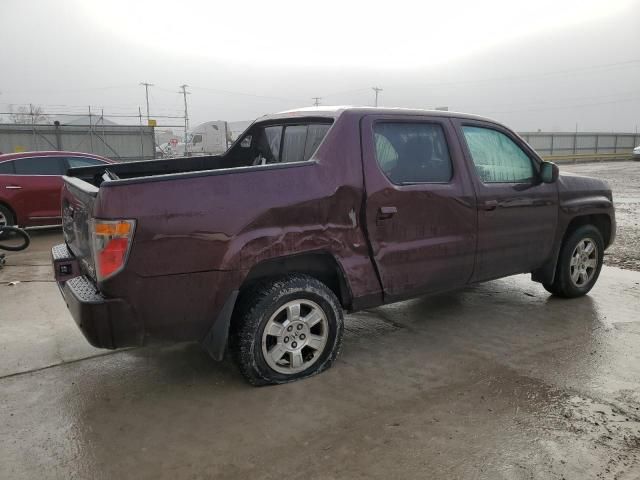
(579, 263)
(286, 329)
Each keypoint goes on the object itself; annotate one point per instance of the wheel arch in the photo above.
(320, 265)
(602, 221)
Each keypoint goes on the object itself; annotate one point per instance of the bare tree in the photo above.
(31, 114)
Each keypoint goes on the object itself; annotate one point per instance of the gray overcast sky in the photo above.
(547, 65)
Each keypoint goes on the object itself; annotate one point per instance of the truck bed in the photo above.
(149, 168)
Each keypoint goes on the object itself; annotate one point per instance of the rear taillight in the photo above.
(111, 244)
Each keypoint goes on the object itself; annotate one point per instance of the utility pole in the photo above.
(146, 94)
(183, 90)
(316, 101)
(377, 90)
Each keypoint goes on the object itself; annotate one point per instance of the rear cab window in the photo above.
(280, 143)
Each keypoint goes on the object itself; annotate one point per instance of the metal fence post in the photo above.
(56, 124)
(104, 135)
(33, 128)
(141, 139)
(90, 130)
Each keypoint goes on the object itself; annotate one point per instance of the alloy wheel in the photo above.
(295, 336)
(584, 262)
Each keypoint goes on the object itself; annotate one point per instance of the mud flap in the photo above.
(215, 342)
(547, 273)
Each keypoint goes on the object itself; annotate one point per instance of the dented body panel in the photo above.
(201, 235)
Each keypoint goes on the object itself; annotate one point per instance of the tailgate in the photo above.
(78, 198)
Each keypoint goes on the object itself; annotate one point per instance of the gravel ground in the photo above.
(624, 179)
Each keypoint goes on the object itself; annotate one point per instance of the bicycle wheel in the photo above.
(17, 239)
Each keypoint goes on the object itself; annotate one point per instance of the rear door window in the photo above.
(6, 167)
(412, 152)
(40, 166)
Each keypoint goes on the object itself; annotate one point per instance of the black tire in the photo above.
(563, 285)
(254, 311)
(9, 219)
(11, 234)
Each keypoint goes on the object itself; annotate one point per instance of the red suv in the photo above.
(30, 184)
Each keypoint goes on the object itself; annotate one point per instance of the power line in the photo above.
(527, 76)
(538, 103)
(71, 90)
(316, 101)
(562, 107)
(631, 62)
(346, 92)
(245, 94)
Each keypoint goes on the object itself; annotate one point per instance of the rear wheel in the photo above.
(579, 263)
(286, 329)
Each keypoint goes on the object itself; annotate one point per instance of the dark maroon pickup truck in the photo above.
(312, 212)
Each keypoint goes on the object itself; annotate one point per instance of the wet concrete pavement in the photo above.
(498, 381)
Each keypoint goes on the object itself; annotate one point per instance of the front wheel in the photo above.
(286, 329)
(6, 219)
(579, 263)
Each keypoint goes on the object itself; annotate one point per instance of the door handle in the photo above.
(13, 187)
(384, 213)
(489, 205)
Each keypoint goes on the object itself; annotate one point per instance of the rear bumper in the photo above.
(105, 322)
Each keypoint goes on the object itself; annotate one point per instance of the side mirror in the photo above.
(549, 172)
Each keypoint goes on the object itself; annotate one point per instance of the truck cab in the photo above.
(209, 138)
